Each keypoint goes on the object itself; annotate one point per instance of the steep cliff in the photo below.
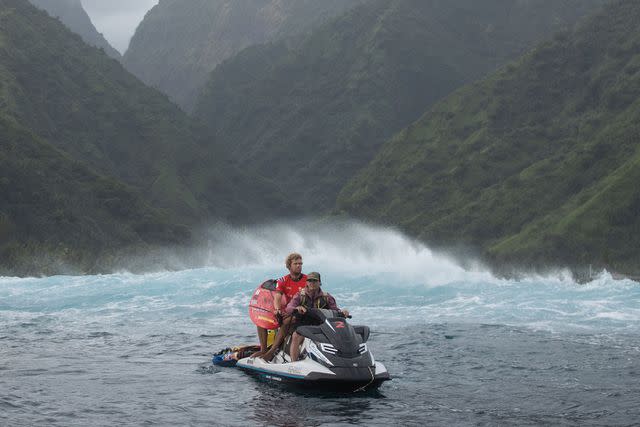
(73, 15)
(536, 165)
(179, 43)
(309, 113)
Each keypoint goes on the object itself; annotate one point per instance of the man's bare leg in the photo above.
(262, 336)
(282, 334)
(294, 351)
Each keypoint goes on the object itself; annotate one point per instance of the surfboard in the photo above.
(261, 306)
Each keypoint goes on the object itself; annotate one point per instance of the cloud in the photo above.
(117, 20)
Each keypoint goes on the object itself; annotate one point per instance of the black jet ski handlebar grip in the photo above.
(342, 314)
(296, 313)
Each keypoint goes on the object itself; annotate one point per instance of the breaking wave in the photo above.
(377, 273)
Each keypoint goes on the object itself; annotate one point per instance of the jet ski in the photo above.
(334, 355)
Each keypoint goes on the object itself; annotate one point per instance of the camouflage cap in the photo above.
(313, 276)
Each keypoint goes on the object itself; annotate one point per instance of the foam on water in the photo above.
(375, 272)
(463, 347)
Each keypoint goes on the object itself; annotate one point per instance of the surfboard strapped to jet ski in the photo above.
(261, 310)
(228, 357)
(334, 355)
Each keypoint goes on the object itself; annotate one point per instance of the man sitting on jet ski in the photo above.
(308, 297)
(311, 296)
(338, 357)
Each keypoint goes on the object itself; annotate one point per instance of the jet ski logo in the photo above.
(339, 325)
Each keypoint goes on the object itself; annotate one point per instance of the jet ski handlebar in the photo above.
(321, 314)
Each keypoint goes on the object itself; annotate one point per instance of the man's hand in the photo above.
(279, 316)
(301, 309)
(345, 312)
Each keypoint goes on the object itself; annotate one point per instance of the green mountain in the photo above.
(54, 211)
(88, 106)
(310, 113)
(73, 15)
(537, 164)
(142, 163)
(180, 42)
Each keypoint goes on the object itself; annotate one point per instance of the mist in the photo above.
(338, 248)
(344, 246)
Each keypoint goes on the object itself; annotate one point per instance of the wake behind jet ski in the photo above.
(334, 355)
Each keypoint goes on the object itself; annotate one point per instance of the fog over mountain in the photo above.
(495, 129)
(85, 148)
(74, 16)
(117, 19)
(324, 104)
(179, 43)
(537, 164)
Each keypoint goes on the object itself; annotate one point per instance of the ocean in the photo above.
(463, 347)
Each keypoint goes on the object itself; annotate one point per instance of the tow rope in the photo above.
(364, 387)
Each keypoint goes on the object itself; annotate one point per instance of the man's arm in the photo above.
(331, 303)
(277, 301)
(293, 304)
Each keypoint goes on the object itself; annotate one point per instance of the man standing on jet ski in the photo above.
(309, 297)
(286, 288)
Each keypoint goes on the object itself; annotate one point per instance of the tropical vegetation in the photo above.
(309, 113)
(536, 165)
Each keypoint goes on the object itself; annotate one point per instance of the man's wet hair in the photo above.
(292, 257)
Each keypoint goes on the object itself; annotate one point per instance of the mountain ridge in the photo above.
(533, 165)
(74, 16)
(135, 152)
(176, 45)
(339, 93)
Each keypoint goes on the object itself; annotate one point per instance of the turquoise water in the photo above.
(463, 346)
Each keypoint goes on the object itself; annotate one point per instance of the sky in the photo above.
(117, 19)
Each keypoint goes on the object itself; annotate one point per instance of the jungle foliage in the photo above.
(73, 15)
(55, 212)
(310, 112)
(537, 164)
(80, 104)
